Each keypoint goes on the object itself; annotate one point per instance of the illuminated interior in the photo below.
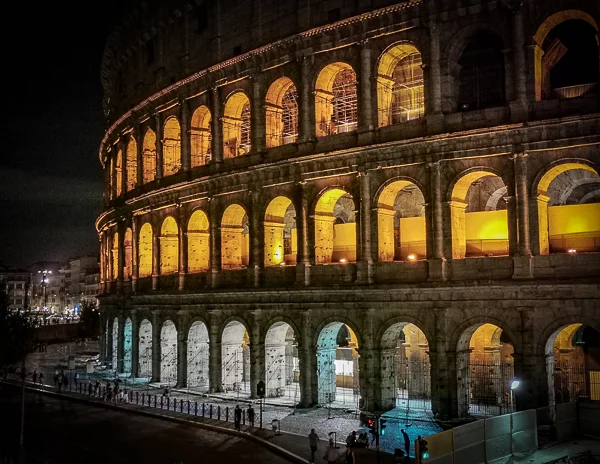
(234, 237)
(111, 170)
(169, 246)
(401, 222)
(335, 228)
(119, 172)
(198, 357)
(149, 156)
(145, 349)
(198, 242)
(128, 267)
(281, 104)
(200, 137)
(236, 125)
(145, 251)
(568, 204)
(127, 341)
(171, 147)
(400, 85)
(131, 164)
(280, 232)
(336, 100)
(479, 217)
(115, 256)
(235, 359)
(168, 353)
(282, 369)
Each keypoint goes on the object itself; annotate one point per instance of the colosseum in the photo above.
(355, 201)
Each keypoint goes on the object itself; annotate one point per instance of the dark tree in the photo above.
(89, 320)
(16, 333)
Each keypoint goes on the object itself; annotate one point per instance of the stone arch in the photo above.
(198, 242)
(131, 163)
(168, 352)
(336, 109)
(235, 357)
(554, 50)
(400, 91)
(119, 172)
(281, 105)
(282, 371)
(171, 146)
(565, 227)
(401, 225)
(128, 246)
(405, 367)
(198, 364)
(335, 227)
(200, 137)
(127, 345)
(115, 343)
(477, 231)
(485, 369)
(115, 256)
(236, 125)
(235, 237)
(149, 156)
(169, 246)
(145, 348)
(281, 243)
(145, 250)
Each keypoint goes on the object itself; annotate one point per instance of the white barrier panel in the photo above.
(497, 439)
(566, 420)
(524, 433)
(441, 448)
(469, 443)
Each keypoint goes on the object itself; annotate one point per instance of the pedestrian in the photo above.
(65, 382)
(313, 442)
(251, 415)
(351, 439)
(332, 454)
(109, 395)
(41, 378)
(406, 442)
(90, 388)
(34, 377)
(237, 418)
(96, 388)
(59, 384)
(350, 455)
(76, 379)
(56, 378)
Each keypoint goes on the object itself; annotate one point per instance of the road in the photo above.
(63, 432)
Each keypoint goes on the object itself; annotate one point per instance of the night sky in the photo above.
(50, 177)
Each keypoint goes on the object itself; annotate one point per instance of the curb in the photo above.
(215, 428)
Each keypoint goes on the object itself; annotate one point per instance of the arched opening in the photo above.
(335, 228)
(281, 105)
(145, 349)
(401, 222)
(169, 246)
(115, 344)
(115, 256)
(201, 137)
(149, 156)
(481, 73)
(336, 108)
(235, 359)
(168, 353)
(568, 204)
(131, 163)
(405, 368)
(145, 251)
(119, 172)
(171, 147)
(197, 357)
(485, 371)
(400, 95)
(281, 243)
(127, 340)
(236, 126)
(566, 56)
(282, 371)
(198, 242)
(573, 364)
(127, 244)
(337, 366)
(234, 237)
(479, 216)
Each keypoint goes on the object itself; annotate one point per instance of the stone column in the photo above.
(123, 148)
(182, 362)
(184, 116)
(159, 144)
(306, 108)
(257, 354)
(155, 258)
(523, 262)
(102, 264)
(109, 339)
(257, 116)
(443, 383)
(135, 270)
(518, 107)
(135, 345)
(214, 346)
(183, 249)
(435, 119)
(365, 263)
(304, 258)
(156, 348)
(257, 240)
(370, 366)
(215, 245)
(307, 362)
(365, 126)
(120, 256)
(216, 109)
(103, 338)
(137, 133)
(437, 260)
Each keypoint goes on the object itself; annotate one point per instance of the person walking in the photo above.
(96, 388)
(76, 379)
(34, 377)
(56, 378)
(332, 454)
(406, 442)
(59, 384)
(237, 418)
(350, 455)
(41, 378)
(65, 380)
(90, 388)
(251, 415)
(313, 442)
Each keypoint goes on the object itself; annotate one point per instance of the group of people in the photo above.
(237, 416)
(332, 454)
(35, 377)
(114, 394)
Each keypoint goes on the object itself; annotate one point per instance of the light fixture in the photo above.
(572, 251)
(343, 260)
(514, 384)
(412, 257)
(282, 263)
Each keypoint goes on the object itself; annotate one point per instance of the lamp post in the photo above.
(513, 386)
(44, 273)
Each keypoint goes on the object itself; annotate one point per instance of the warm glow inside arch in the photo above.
(169, 246)
(234, 237)
(281, 113)
(335, 227)
(400, 85)
(131, 164)
(119, 172)
(336, 109)
(280, 232)
(149, 156)
(115, 256)
(236, 125)
(145, 251)
(401, 222)
(171, 147)
(200, 137)
(198, 242)
(127, 244)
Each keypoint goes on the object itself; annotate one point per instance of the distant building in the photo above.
(47, 287)
(75, 272)
(17, 283)
(92, 288)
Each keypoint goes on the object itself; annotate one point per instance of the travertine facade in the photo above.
(351, 164)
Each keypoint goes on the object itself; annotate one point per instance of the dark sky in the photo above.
(50, 177)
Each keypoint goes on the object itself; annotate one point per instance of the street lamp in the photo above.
(45, 279)
(513, 386)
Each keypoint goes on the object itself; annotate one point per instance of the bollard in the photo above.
(188, 406)
(161, 402)
(149, 400)
(168, 403)
(181, 406)
(143, 398)
(154, 400)
(174, 404)
(137, 397)
(227, 414)
(195, 408)
(219, 412)
(210, 411)
(203, 404)
(243, 417)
